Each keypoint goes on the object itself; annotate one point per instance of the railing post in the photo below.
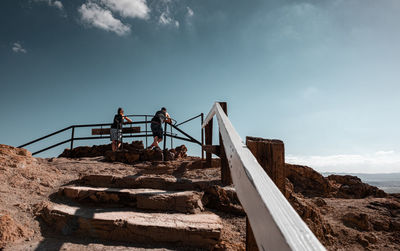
(270, 154)
(226, 178)
(165, 139)
(146, 129)
(170, 130)
(209, 135)
(202, 136)
(72, 137)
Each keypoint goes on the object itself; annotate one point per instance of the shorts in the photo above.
(157, 130)
(116, 134)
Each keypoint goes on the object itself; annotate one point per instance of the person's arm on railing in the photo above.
(127, 119)
(168, 118)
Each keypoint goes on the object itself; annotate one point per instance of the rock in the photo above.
(351, 187)
(319, 202)
(195, 230)
(132, 157)
(380, 223)
(308, 182)
(395, 225)
(148, 181)
(361, 239)
(143, 198)
(223, 199)
(371, 238)
(11, 231)
(357, 221)
(313, 217)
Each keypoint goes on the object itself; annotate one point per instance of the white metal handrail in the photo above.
(275, 224)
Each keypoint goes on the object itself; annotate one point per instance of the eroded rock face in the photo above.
(357, 221)
(352, 187)
(130, 153)
(11, 231)
(308, 182)
(312, 184)
(99, 150)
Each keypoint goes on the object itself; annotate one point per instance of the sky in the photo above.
(323, 76)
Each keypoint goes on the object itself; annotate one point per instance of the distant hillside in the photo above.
(388, 182)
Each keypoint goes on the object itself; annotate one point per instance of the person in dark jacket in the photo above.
(116, 129)
(156, 127)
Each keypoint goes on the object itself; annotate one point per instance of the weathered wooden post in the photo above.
(226, 178)
(270, 154)
(209, 136)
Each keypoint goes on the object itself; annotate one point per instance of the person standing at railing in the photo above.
(116, 129)
(156, 127)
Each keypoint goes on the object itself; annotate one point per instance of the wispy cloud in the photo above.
(17, 48)
(190, 12)
(96, 16)
(129, 8)
(166, 19)
(380, 161)
(53, 3)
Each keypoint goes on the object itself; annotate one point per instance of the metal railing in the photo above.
(144, 134)
(275, 224)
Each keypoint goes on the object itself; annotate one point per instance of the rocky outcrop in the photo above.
(308, 182)
(357, 221)
(351, 187)
(312, 184)
(98, 150)
(223, 199)
(130, 153)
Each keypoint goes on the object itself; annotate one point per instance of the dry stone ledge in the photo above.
(144, 198)
(196, 230)
(154, 182)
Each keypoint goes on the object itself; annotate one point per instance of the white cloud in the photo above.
(58, 4)
(166, 19)
(378, 162)
(17, 48)
(96, 16)
(53, 3)
(190, 12)
(129, 8)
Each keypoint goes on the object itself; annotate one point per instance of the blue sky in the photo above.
(321, 75)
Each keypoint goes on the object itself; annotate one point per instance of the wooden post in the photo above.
(209, 136)
(251, 244)
(226, 178)
(270, 154)
(202, 137)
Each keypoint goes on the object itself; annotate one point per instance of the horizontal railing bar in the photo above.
(44, 137)
(48, 148)
(188, 120)
(275, 224)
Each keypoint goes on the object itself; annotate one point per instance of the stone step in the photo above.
(146, 181)
(195, 230)
(143, 198)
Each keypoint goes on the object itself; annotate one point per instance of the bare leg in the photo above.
(155, 143)
(114, 145)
